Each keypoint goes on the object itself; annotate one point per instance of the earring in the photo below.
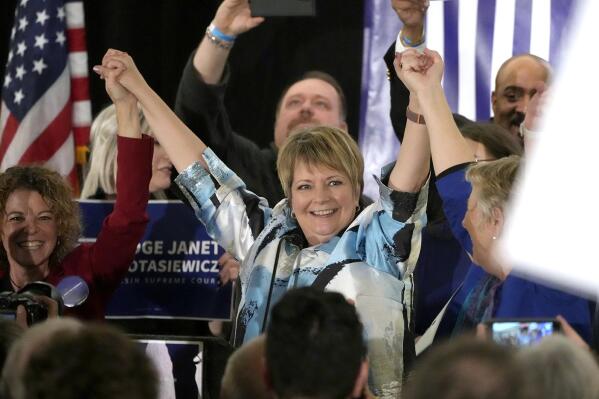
(494, 238)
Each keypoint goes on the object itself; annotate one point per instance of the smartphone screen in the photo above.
(522, 332)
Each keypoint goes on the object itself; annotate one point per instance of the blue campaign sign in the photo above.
(175, 272)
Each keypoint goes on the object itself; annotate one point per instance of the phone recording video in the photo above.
(522, 332)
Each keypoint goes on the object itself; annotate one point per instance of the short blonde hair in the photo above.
(493, 180)
(102, 166)
(321, 145)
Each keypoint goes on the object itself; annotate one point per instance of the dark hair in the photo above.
(325, 77)
(497, 140)
(467, 368)
(56, 192)
(70, 360)
(314, 345)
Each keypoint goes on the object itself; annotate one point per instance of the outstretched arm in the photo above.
(182, 146)
(448, 146)
(412, 14)
(125, 103)
(232, 18)
(413, 161)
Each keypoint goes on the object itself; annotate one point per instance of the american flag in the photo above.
(45, 113)
(474, 37)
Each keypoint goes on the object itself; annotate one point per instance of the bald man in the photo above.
(443, 263)
(517, 81)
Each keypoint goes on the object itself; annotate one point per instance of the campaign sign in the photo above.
(175, 271)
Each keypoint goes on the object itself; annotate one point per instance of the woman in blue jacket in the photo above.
(474, 198)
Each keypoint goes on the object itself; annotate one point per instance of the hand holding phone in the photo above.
(522, 332)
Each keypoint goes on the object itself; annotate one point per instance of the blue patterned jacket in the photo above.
(371, 262)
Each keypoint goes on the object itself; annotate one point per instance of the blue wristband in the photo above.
(220, 35)
(408, 43)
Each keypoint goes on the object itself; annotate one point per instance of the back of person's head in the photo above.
(493, 181)
(467, 368)
(101, 175)
(63, 358)
(561, 370)
(10, 331)
(244, 374)
(314, 345)
(321, 146)
(498, 141)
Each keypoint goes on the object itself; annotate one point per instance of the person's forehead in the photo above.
(303, 168)
(521, 73)
(312, 87)
(25, 197)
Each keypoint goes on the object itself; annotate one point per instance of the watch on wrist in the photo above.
(415, 117)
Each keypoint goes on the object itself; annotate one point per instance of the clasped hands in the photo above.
(419, 70)
(120, 73)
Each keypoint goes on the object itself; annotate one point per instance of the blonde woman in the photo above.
(100, 181)
(318, 236)
(475, 197)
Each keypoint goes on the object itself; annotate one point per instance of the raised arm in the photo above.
(448, 146)
(182, 146)
(124, 102)
(232, 18)
(411, 14)
(110, 256)
(413, 161)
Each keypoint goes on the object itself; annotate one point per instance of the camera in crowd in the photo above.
(27, 297)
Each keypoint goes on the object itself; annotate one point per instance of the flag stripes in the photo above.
(474, 37)
(45, 93)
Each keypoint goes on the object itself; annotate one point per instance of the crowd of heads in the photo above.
(314, 344)
(65, 358)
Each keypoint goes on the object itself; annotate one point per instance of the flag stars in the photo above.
(40, 41)
(24, 3)
(42, 17)
(60, 39)
(21, 47)
(20, 72)
(23, 23)
(7, 80)
(60, 13)
(19, 96)
(13, 32)
(10, 55)
(39, 65)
